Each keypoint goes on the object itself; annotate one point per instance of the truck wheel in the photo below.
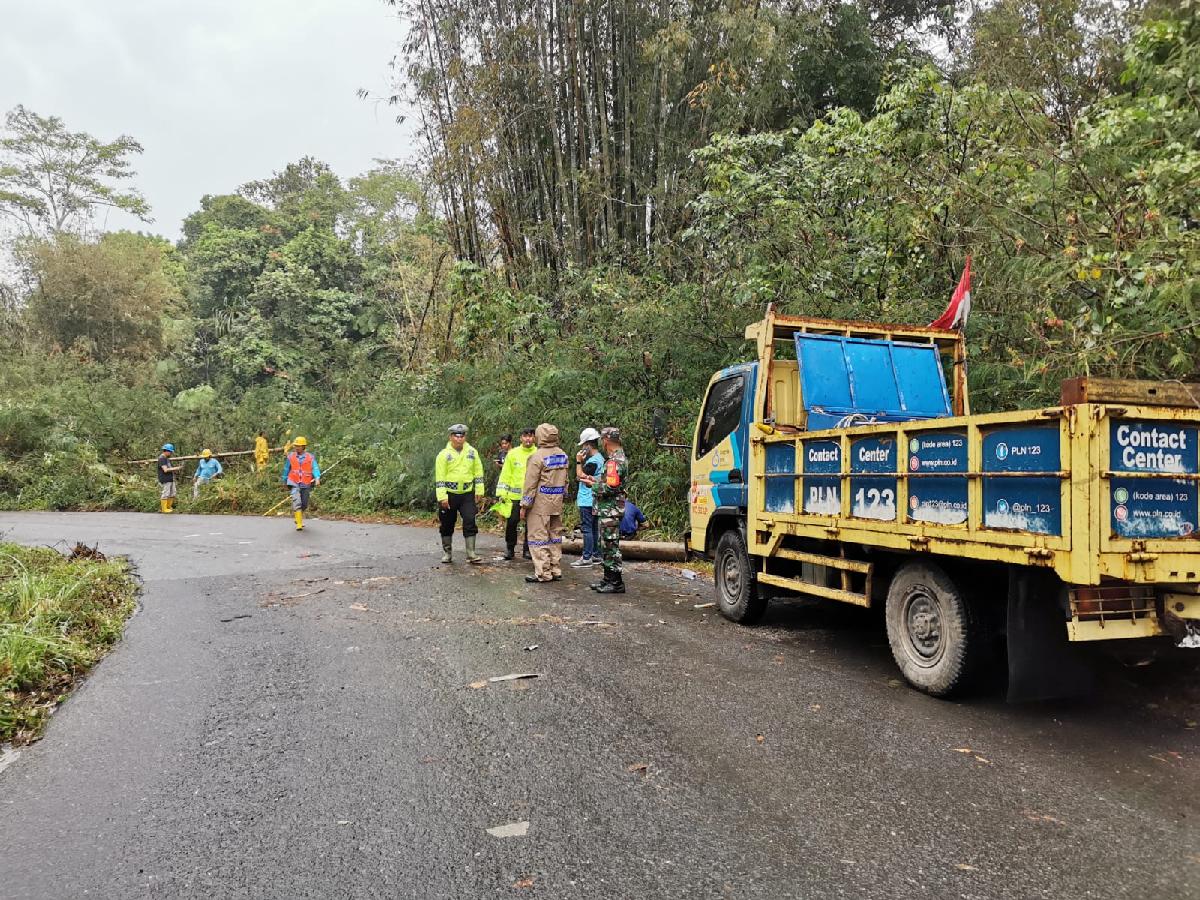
(737, 594)
(936, 638)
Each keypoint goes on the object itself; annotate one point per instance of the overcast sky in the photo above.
(218, 92)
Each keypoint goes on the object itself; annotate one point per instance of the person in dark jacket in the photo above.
(631, 520)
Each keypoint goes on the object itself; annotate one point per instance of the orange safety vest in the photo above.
(300, 469)
(612, 474)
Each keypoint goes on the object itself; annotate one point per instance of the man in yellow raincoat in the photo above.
(262, 451)
(508, 492)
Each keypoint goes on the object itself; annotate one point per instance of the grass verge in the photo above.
(58, 616)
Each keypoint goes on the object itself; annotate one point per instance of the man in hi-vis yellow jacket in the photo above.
(458, 476)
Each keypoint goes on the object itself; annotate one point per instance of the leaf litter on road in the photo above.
(512, 829)
(495, 679)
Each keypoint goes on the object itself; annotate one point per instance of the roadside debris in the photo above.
(242, 616)
(290, 600)
(597, 622)
(512, 829)
(523, 883)
(532, 647)
(83, 551)
(515, 676)
(703, 605)
(360, 607)
(639, 768)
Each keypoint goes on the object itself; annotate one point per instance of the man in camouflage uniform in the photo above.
(608, 487)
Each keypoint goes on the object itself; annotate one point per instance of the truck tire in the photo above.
(936, 637)
(737, 594)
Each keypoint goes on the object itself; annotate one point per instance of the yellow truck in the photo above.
(843, 464)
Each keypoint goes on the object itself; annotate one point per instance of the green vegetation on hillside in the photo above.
(607, 195)
(58, 616)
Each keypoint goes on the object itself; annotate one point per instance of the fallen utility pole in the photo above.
(660, 551)
(142, 462)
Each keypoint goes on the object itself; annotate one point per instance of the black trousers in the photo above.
(460, 504)
(510, 528)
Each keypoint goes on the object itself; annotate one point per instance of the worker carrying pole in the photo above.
(166, 479)
(300, 473)
(262, 452)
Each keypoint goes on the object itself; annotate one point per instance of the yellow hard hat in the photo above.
(301, 442)
(206, 453)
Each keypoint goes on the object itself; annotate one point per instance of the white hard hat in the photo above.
(588, 434)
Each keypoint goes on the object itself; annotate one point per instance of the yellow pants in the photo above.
(545, 544)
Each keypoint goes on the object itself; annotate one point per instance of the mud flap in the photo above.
(1042, 663)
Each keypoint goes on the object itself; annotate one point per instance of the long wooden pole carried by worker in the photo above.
(287, 498)
(143, 462)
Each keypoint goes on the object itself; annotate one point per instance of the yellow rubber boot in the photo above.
(164, 506)
(171, 505)
(299, 520)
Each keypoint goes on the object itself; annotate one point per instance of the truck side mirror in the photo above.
(659, 427)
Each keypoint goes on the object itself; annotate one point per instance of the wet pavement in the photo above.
(308, 715)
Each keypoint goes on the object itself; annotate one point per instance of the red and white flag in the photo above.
(956, 313)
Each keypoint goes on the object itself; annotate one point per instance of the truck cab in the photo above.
(720, 453)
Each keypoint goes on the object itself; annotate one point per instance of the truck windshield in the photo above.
(722, 413)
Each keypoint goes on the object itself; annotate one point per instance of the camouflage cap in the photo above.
(611, 433)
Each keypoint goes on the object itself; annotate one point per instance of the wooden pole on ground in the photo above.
(660, 551)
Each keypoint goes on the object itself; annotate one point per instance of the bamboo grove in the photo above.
(561, 131)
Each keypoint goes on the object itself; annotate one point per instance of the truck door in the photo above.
(718, 460)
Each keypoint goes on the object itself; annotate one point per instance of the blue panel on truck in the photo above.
(873, 497)
(888, 381)
(938, 499)
(921, 381)
(781, 478)
(872, 378)
(824, 378)
(822, 491)
(1031, 504)
(1153, 507)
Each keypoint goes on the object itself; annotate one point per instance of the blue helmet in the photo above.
(170, 448)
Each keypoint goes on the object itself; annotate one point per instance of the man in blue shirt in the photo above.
(207, 469)
(588, 463)
(631, 521)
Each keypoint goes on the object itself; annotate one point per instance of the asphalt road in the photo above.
(293, 716)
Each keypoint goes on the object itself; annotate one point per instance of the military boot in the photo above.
(447, 550)
(472, 557)
(596, 585)
(613, 585)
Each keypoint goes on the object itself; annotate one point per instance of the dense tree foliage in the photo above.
(52, 179)
(560, 133)
(102, 299)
